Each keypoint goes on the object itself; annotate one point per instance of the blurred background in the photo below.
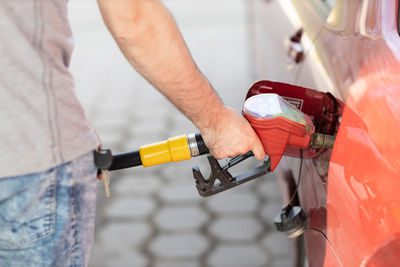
(155, 216)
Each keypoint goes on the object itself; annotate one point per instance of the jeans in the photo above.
(47, 218)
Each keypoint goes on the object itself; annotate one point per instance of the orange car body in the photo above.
(351, 193)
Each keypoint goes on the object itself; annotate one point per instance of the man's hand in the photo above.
(230, 135)
(149, 38)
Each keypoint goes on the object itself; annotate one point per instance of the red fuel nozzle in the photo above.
(278, 124)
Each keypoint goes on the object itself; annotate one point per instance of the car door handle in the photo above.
(295, 51)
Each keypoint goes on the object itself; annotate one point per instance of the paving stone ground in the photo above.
(155, 216)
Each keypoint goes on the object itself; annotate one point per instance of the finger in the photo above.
(258, 151)
(219, 156)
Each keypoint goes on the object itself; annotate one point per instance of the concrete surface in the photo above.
(155, 216)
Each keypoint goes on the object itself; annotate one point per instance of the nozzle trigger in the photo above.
(225, 179)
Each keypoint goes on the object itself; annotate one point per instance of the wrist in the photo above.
(211, 112)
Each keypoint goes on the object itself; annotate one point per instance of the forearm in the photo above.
(149, 38)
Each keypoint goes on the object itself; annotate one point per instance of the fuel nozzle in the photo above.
(282, 127)
(182, 148)
(278, 124)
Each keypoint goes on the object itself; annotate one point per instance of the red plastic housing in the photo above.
(322, 109)
(278, 133)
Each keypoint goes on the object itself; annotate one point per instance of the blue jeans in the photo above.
(47, 218)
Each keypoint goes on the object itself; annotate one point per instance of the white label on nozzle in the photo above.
(270, 106)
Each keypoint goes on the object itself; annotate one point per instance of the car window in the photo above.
(322, 7)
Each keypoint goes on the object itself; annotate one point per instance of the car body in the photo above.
(351, 194)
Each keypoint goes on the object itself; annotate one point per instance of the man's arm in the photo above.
(149, 38)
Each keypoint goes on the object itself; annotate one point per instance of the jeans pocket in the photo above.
(27, 209)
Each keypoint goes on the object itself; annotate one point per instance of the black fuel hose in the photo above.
(126, 160)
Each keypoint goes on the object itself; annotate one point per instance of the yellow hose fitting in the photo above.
(173, 149)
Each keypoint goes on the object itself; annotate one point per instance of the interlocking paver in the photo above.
(238, 256)
(278, 244)
(136, 184)
(181, 126)
(179, 245)
(123, 258)
(111, 245)
(124, 207)
(179, 172)
(129, 234)
(270, 210)
(192, 263)
(269, 187)
(285, 262)
(179, 193)
(244, 228)
(147, 124)
(138, 139)
(229, 202)
(180, 218)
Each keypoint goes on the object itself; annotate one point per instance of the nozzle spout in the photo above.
(319, 140)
